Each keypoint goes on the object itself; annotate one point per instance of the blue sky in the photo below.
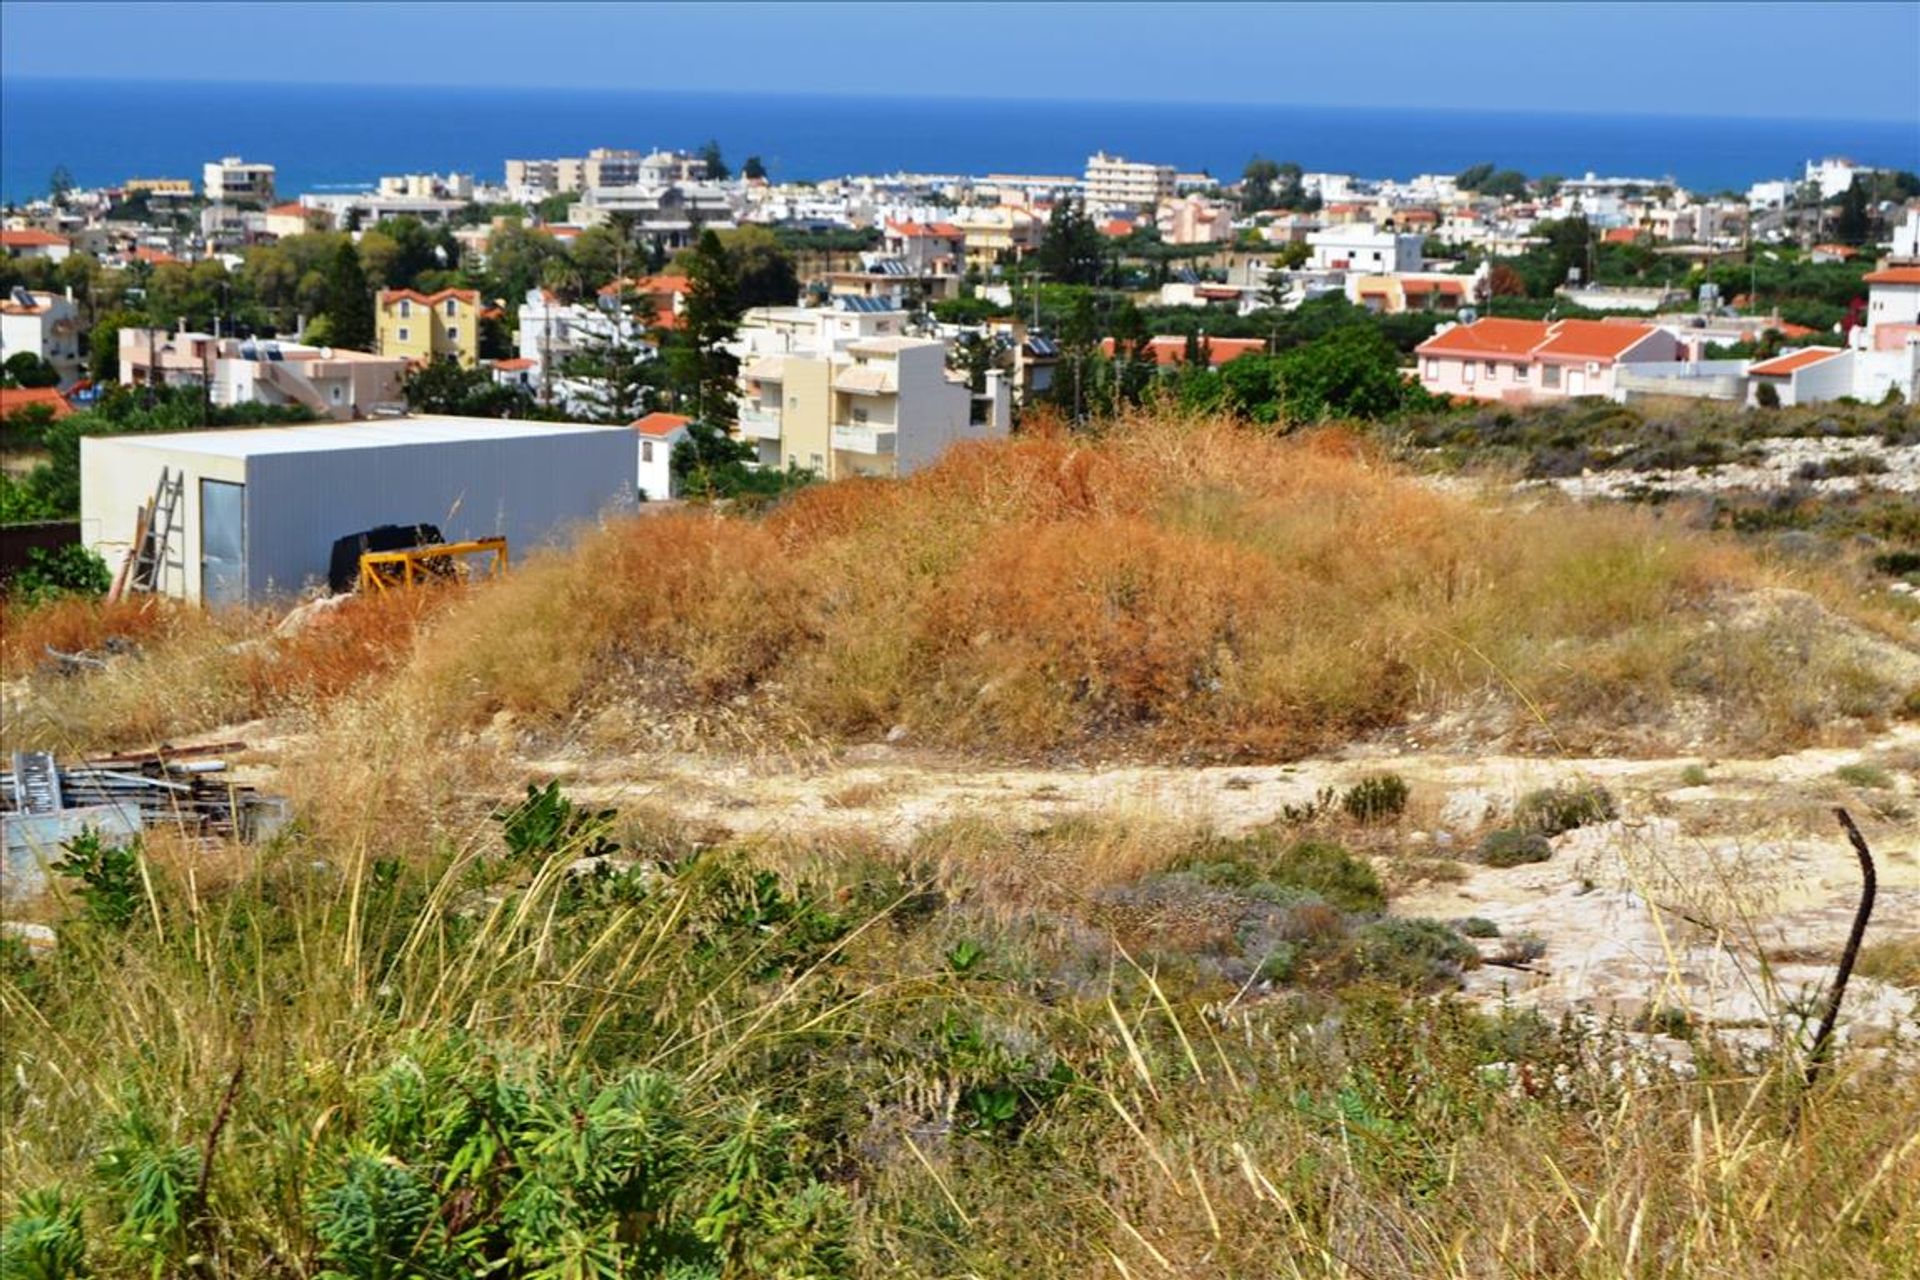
(1662, 59)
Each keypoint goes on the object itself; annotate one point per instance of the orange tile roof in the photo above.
(1562, 339)
(1893, 275)
(1619, 235)
(515, 363)
(157, 257)
(292, 209)
(13, 399)
(1790, 330)
(650, 285)
(660, 424)
(31, 238)
(1781, 366)
(390, 296)
(914, 230)
(1837, 250)
(1492, 336)
(1169, 350)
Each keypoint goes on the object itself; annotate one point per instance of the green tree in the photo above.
(1257, 189)
(1473, 177)
(1854, 222)
(764, 273)
(1352, 372)
(443, 386)
(1508, 184)
(754, 170)
(60, 184)
(621, 375)
(349, 302)
(1072, 250)
(27, 369)
(1548, 185)
(700, 368)
(717, 170)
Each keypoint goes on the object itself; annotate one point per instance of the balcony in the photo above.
(758, 422)
(869, 440)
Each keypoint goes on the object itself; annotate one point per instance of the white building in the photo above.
(33, 242)
(659, 434)
(44, 324)
(1834, 174)
(334, 383)
(428, 186)
(231, 178)
(1360, 246)
(259, 509)
(843, 392)
(1114, 182)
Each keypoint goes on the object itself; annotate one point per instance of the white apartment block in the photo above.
(603, 167)
(231, 178)
(844, 392)
(43, 324)
(1114, 182)
(552, 331)
(1361, 247)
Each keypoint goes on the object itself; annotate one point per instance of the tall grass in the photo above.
(822, 1059)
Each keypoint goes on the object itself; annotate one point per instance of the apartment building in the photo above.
(231, 179)
(926, 248)
(1114, 182)
(996, 236)
(429, 326)
(845, 392)
(1194, 220)
(46, 325)
(552, 331)
(604, 167)
(336, 384)
(1361, 246)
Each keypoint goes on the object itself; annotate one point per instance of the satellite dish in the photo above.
(326, 353)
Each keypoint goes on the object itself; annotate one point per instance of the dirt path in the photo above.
(1726, 898)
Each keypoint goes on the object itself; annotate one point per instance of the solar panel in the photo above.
(849, 302)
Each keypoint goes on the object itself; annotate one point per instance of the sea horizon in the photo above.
(81, 124)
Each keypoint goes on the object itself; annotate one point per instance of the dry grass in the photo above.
(1176, 588)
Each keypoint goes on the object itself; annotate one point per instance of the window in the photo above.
(1433, 369)
(1520, 373)
(453, 307)
(1466, 371)
(1549, 375)
(406, 308)
(404, 335)
(859, 415)
(646, 451)
(1493, 370)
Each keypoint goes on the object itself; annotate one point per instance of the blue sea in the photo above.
(330, 137)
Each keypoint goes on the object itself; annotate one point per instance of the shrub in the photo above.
(1330, 871)
(45, 1238)
(1766, 396)
(109, 877)
(1478, 927)
(1375, 798)
(1552, 810)
(1512, 847)
(1412, 953)
(1866, 776)
(72, 570)
(1694, 775)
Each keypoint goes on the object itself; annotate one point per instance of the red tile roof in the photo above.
(30, 238)
(292, 209)
(1169, 350)
(156, 257)
(1781, 366)
(653, 286)
(1893, 275)
(13, 399)
(390, 296)
(660, 425)
(916, 230)
(513, 364)
(1562, 339)
(1620, 235)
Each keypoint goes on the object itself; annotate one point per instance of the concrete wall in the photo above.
(117, 477)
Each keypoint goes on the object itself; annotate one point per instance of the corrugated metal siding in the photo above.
(530, 489)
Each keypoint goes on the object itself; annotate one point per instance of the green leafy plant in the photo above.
(547, 823)
(1553, 810)
(1866, 776)
(1376, 798)
(109, 875)
(965, 956)
(72, 570)
(1343, 880)
(45, 1238)
(1513, 847)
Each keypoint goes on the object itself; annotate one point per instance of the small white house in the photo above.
(1360, 247)
(658, 433)
(43, 324)
(260, 508)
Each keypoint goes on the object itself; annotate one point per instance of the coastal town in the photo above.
(861, 326)
(823, 641)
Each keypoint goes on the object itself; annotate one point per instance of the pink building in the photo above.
(1497, 359)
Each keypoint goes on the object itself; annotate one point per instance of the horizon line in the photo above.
(1223, 103)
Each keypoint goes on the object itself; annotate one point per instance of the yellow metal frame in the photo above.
(412, 566)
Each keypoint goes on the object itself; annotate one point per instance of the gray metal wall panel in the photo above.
(528, 489)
